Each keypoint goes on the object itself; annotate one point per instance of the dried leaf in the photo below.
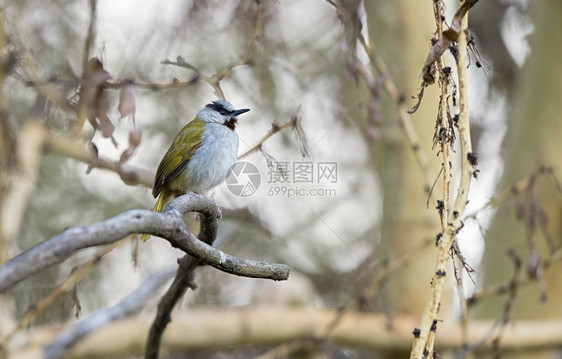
(93, 100)
(104, 125)
(134, 141)
(127, 101)
(447, 38)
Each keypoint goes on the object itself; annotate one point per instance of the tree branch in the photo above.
(72, 148)
(274, 129)
(264, 327)
(517, 188)
(128, 306)
(60, 290)
(168, 225)
(526, 278)
(454, 222)
(215, 79)
(89, 40)
(183, 280)
(446, 38)
(22, 183)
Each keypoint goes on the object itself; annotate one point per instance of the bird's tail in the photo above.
(163, 199)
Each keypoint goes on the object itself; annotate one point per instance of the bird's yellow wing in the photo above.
(186, 142)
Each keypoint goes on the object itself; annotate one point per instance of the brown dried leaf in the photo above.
(104, 125)
(134, 141)
(127, 101)
(447, 38)
(93, 100)
(419, 97)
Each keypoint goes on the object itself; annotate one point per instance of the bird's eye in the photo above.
(223, 112)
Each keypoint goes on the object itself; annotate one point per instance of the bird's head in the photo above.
(221, 112)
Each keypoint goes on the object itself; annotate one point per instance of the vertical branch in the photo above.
(182, 281)
(88, 92)
(454, 223)
(6, 145)
(443, 129)
(7, 155)
(90, 35)
(23, 179)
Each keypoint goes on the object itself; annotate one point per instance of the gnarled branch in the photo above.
(168, 225)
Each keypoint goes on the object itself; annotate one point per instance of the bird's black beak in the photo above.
(239, 112)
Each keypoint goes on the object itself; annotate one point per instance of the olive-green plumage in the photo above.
(168, 182)
(187, 141)
(200, 156)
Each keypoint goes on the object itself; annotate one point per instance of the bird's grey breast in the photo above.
(210, 164)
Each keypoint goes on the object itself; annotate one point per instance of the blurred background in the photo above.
(340, 198)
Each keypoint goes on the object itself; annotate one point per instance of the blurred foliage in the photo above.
(302, 60)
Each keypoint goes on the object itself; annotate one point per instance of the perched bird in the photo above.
(200, 155)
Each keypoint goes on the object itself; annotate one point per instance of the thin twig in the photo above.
(517, 188)
(274, 129)
(443, 128)
(508, 307)
(150, 85)
(215, 79)
(34, 74)
(526, 278)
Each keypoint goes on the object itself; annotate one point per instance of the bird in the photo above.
(200, 155)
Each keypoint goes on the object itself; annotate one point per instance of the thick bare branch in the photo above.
(168, 225)
(182, 281)
(222, 329)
